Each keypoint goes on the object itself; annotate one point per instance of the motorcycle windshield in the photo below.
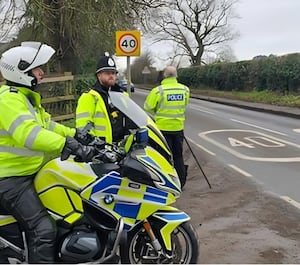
(140, 118)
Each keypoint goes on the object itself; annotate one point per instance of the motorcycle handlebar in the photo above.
(109, 152)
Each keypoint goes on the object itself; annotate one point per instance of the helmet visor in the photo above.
(42, 55)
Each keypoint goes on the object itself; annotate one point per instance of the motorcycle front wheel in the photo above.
(185, 248)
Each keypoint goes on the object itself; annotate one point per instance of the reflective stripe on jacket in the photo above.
(26, 132)
(91, 108)
(167, 103)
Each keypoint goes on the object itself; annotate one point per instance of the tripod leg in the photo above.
(197, 162)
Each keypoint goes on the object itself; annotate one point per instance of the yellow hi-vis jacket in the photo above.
(167, 103)
(91, 108)
(26, 132)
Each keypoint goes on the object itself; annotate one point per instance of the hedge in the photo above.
(280, 74)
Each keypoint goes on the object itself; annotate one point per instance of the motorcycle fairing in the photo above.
(55, 183)
(157, 136)
(58, 184)
(171, 218)
(68, 173)
(63, 185)
(166, 174)
(127, 199)
(62, 203)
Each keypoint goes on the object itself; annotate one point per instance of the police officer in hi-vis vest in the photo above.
(26, 134)
(167, 104)
(94, 105)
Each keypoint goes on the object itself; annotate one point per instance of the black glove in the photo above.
(83, 153)
(83, 136)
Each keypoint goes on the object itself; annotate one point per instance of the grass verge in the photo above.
(254, 96)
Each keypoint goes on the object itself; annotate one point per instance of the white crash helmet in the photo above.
(16, 62)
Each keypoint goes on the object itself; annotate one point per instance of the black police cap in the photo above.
(106, 63)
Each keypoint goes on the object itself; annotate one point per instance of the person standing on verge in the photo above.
(26, 134)
(94, 105)
(167, 104)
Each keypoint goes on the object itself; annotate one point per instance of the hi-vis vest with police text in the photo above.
(91, 108)
(167, 103)
(26, 132)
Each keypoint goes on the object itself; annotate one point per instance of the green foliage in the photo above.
(69, 123)
(78, 30)
(190, 76)
(83, 83)
(277, 74)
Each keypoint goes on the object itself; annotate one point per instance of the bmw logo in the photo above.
(108, 199)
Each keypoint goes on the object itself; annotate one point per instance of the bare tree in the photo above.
(11, 15)
(194, 26)
(145, 60)
(77, 29)
(171, 55)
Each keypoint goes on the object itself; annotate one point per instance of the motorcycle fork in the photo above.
(154, 241)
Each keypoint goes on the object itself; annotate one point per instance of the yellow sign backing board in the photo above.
(128, 43)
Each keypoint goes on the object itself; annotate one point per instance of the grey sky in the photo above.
(267, 27)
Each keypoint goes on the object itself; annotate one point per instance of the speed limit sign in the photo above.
(128, 43)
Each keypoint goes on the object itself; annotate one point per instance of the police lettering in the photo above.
(175, 97)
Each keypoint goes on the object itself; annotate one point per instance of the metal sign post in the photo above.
(128, 75)
(128, 44)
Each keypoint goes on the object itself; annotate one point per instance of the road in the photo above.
(259, 145)
(256, 144)
(247, 216)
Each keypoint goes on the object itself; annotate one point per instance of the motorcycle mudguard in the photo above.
(172, 218)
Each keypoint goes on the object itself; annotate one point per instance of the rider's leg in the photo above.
(18, 197)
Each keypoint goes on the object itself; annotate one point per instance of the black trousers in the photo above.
(175, 142)
(19, 198)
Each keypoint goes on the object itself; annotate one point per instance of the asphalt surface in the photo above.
(280, 110)
(269, 108)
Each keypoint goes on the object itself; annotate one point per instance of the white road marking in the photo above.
(246, 174)
(242, 156)
(264, 141)
(202, 110)
(201, 147)
(296, 130)
(255, 126)
(291, 201)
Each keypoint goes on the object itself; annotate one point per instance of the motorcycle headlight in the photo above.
(153, 175)
(175, 179)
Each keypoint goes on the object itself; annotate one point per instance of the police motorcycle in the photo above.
(116, 208)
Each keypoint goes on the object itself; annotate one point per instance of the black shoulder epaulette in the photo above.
(12, 89)
(86, 91)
